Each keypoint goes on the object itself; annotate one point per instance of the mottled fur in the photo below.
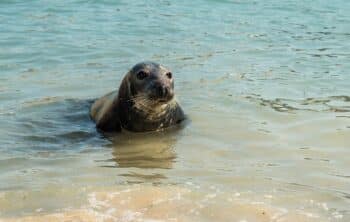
(135, 107)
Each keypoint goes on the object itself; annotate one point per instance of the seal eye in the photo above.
(169, 75)
(141, 75)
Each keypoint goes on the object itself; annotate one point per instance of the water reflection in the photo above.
(144, 150)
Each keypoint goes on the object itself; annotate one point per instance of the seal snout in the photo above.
(162, 91)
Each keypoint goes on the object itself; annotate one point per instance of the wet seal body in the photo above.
(145, 102)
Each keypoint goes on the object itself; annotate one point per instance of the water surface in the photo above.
(264, 83)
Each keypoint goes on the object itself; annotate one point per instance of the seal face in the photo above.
(145, 101)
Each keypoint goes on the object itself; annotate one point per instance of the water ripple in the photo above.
(337, 104)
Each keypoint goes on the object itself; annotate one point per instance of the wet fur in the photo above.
(121, 110)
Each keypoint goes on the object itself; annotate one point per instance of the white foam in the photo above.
(211, 196)
(310, 215)
(268, 196)
(324, 206)
(337, 215)
(94, 203)
(279, 214)
(39, 210)
(131, 216)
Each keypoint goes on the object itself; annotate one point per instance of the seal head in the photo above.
(145, 101)
(150, 83)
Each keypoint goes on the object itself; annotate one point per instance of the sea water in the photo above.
(265, 84)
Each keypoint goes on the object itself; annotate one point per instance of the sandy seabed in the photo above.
(169, 203)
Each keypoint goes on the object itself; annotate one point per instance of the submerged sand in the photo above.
(169, 203)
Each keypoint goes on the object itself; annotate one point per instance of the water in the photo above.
(265, 84)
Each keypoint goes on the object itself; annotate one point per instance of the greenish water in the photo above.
(266, 86)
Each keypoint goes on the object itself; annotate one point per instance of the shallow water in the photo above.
(265, 84)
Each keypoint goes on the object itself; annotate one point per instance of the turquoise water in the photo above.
(265, 84)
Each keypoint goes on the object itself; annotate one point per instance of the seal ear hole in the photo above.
(169, 75)
(142, 75)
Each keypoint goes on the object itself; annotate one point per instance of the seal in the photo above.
(144, 102)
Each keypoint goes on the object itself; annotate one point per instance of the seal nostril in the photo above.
(162, 91)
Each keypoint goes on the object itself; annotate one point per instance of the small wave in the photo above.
(53, 123)
(174, 203)
(338, 104)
